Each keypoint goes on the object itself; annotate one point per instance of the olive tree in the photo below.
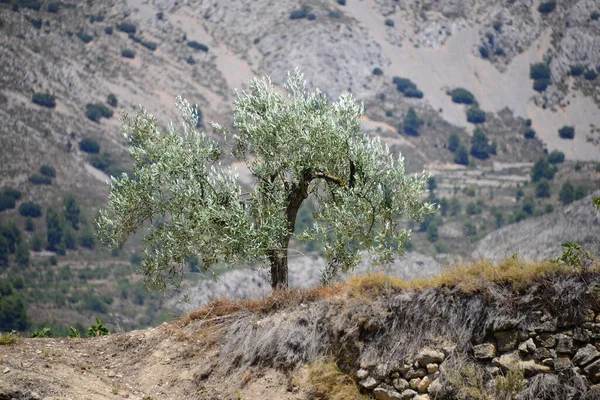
(297, 147)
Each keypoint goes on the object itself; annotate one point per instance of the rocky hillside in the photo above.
(515, 330)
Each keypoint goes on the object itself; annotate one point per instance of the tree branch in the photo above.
(329, 178)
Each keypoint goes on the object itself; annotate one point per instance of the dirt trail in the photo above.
(167, 362)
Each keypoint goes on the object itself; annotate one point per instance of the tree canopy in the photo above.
(298, 147)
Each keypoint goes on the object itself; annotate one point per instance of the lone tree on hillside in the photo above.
(299, 148)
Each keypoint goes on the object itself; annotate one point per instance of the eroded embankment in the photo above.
(516, 330)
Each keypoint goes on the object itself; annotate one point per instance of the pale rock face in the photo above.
(485, 351)
(586, 355)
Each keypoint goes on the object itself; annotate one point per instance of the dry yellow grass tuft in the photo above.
(468, 278)
(328, 382)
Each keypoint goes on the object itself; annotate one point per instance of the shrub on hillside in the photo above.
(567, 193)
(412, 123)
(389, 22)
(96, 111)
(540, 85)
(542, 170)
(30, 209)
(85, 37)
(595, 15)
(44, 100)
(47, 170)
(38, 179)
(87, 239)
(6, 202)
(89, 145)
(108, 30)
(126, 27)
(529, 133)
(556, 157)
(402, 84)
(484, 52)
(150, 45)
(542, 189)
(475, 115)
(190, 60)
(462, 155)
(539, 71)
(11, 192)
(480, 145)
(462, 96)
(566, 132)
(112, 101)
(197, 46)
(53, 7)
(547, 7)
(590, 74)
(341, 2)
(413, 93)
(577, 70)
(499, 51)
(377, 71)
(529, 205)
(128, 53)
(453, 142)
(299, 13)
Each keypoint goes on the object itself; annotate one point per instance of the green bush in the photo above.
(539, 71)
(567, 193)
(72, 211)
(29, 225)
(190, 60)
(150, 45)
(87, 239)
(11, 192)
(197, 46)
(101, 161)
(35, 5)
(461, 156)
(300, 13)
(543, 170)
(529, 205)
(389, 22)
(473, 208)
(112, 101)
(528, 122)
(47, 170)
(480, 145)
(595, 15)
(377, 71)
(453, 142)
(529, 133)
(402, 84)
(30, 209)
(547, 7)
(89, 145)
(414, 93)
(38, 179)
(462, 96)
(108, 30)
(475, 115)
(556, 157)
(85, 38)
(95, 112)
(540, 85)
(13, 309)
(590, 74)
(6, 203)
(341, 2)
(126, 27)
(566, 132)
(54, 7)
(44, 100)
(542, 189)
(577, 70)
(484, 52)
(128, 53)
(412, 123)
(499, 51)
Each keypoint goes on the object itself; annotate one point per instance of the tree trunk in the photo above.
(279, 258)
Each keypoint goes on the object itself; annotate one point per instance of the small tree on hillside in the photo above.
(412, 123)
(299, 148)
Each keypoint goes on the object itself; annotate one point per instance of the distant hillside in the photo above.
(541, 238)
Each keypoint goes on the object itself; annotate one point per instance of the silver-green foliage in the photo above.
(297, 147)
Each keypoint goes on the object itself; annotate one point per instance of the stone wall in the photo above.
(546, 346)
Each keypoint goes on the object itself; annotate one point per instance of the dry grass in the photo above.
(8, 339)
(477, 277)
(328, 382)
